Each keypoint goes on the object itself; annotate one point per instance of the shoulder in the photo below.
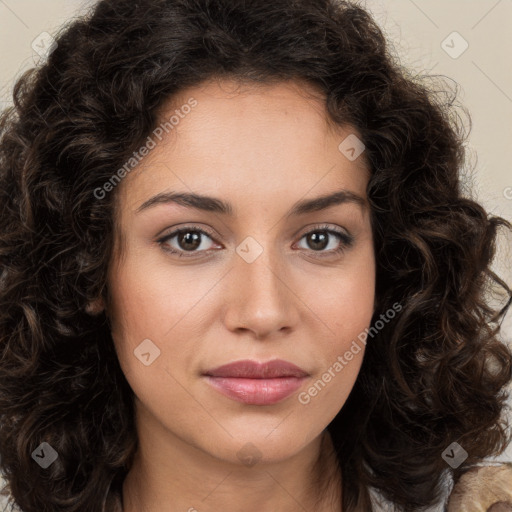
(483, 486)
(380, 504)
(5, 497)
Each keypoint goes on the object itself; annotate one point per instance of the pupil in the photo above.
(318, 239)
(189, 238)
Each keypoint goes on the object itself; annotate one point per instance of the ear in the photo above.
(95, 307)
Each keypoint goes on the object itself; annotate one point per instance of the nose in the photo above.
(260, 298)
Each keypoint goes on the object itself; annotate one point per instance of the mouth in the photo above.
(255, 383)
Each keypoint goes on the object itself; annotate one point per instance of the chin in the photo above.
(260, 445)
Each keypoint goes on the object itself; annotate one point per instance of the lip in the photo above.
(255, 383)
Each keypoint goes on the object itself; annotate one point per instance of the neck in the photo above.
(196, 482)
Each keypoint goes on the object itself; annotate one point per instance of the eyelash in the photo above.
(346, 240)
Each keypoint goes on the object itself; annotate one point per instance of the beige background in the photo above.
(417, 29)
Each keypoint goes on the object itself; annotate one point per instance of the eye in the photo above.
(323, 237)
(186, 240)
(190, 241)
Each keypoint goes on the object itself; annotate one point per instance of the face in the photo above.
(261, 281)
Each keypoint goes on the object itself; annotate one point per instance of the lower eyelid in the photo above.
(345, 240)
(167, 238)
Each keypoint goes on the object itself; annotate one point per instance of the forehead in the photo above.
(249, 140)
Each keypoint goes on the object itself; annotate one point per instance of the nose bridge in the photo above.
(261, 300)
(259, 267)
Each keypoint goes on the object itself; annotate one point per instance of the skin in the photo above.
(261, 148)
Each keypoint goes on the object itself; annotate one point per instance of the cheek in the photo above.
(151, 302)
(141, 315)
(341, 353)
(345, 306)
(152, 312)
(148, 300)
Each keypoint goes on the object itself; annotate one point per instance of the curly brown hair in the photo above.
(436, 375)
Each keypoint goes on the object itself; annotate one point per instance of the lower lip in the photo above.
(256, 391)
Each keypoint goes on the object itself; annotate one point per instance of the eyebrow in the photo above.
(213, 204)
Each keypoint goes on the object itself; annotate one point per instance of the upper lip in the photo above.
(255, 370)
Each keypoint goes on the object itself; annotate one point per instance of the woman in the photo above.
(238, 270)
